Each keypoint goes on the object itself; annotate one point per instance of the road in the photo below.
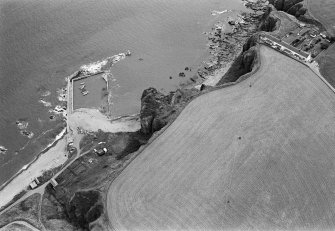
(20, 223)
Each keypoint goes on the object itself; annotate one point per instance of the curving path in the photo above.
(257, 155)
(24, 223)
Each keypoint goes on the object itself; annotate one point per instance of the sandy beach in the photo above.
(87, 119)
(93, 120)
(53, 158)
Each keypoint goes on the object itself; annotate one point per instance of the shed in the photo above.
(33, 185)
(53, 182)
(101, 151)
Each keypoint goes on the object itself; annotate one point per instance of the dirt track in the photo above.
(239, 158)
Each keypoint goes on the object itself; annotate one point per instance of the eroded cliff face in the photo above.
(84, 208)
(158, 109)
(155, 108)
(269, 22)
(244, 63)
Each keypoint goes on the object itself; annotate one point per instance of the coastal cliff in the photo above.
(91, 173)
(293, 7)
(77, 201)
(244, 63)
(296, 8)
(269, 21)
(158, 109)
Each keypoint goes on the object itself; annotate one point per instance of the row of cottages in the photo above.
(287, 48)
(36, 182)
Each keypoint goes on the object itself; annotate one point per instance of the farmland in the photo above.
(323, 10)
(256, 155)
(327, 64)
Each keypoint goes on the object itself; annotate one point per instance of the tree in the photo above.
(324, 46)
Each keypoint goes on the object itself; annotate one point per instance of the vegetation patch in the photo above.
(84, 208)
(26, 210)
(327, 65)
(324, 10)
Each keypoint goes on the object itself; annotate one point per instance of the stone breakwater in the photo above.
(98, 66)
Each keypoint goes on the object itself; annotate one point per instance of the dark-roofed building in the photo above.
(53, 182)
(285, 46)
(304, 31)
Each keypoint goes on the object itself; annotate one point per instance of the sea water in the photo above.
(43, 41)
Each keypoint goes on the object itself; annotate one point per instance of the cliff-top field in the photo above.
(323, 10)
(259, 154)
(327, 64)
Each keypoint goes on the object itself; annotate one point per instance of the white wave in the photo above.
(93, 68)
(25, 167)
(45, 93)
(59, 110)
(96, 67)
(22, 124)
(61, 94)
(3, 150)
(45, 103)
(27, 133)
(216, 12)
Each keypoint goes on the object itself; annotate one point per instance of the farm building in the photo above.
(53, 182)
(101, 152)
(304, 31)
(33, 185)
(284, 46)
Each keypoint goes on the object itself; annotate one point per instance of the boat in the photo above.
(82, 87)
(128, 53)
(85, 92)
(82, 83)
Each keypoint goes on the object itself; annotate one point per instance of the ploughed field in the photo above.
(259, 154)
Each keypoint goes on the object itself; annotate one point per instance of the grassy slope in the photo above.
(200, 175)
(327, 64)
(324, 11)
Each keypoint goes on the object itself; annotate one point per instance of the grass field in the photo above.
(327, 64)
(257, 155)
(324, 11)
